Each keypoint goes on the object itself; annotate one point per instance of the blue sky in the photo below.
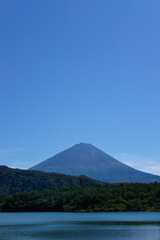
(80, 71)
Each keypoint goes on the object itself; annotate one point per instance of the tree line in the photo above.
(120, 197)
(17, 180)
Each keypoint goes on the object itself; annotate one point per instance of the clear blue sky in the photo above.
(80, 71)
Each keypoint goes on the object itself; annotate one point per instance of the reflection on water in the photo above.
(84, 226)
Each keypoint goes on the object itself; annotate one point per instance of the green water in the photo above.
(80, 226)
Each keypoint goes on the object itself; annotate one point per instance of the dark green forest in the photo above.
(17, 180)
(121, 197)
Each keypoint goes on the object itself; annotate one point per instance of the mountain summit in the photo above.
(85, 159)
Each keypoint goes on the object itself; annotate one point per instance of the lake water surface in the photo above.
(80, 226)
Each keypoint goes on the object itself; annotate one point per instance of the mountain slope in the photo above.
(16, 180)
(90, 161)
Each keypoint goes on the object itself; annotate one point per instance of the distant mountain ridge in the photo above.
(17, 180)
(85, 159)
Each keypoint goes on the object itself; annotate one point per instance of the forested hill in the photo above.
(122, 197)
(16, 180)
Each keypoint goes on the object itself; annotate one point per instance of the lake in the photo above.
(80, 226)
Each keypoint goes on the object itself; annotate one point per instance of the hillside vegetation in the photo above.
(16, 180)
(123, 197)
